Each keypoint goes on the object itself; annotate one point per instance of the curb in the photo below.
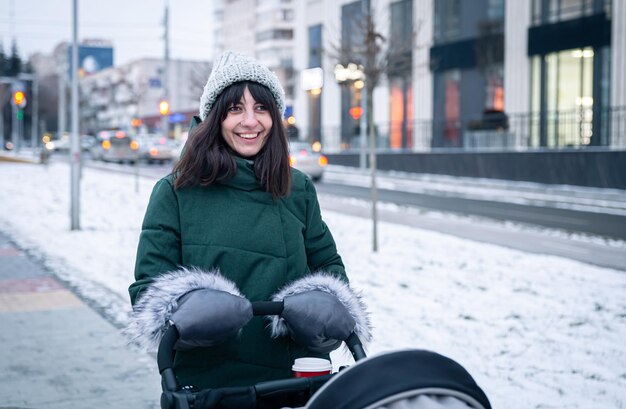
(4, 157)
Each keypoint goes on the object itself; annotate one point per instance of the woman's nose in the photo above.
(249, 119)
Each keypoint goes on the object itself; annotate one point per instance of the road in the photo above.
(601, 224)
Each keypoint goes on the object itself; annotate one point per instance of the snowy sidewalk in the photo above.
(57, 353)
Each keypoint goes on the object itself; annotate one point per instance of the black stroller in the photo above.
(397, 380)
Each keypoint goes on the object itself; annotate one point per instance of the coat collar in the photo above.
(245, 178)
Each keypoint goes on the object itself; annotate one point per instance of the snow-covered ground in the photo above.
(535, 331)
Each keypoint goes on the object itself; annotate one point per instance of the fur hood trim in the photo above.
(152, 312)
(330, 284)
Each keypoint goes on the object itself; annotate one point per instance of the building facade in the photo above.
(263, 29)
(485, 74)
(128, 96)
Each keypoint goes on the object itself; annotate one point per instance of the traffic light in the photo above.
(164, 107)
(19, 99)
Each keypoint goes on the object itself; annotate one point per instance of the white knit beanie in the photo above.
(230, 68)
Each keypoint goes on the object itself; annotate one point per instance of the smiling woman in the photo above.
(234, 222)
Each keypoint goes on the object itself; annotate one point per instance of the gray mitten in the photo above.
(207, 317)
(317, 320)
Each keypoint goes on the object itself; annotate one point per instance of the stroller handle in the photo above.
(166, 351)
(267, 307)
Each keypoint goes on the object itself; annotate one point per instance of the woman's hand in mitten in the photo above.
(208, 317)
(317, 320)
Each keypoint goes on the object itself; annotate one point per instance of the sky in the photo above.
(135, 27)
(535, 331)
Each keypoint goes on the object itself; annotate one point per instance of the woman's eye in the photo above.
(234, 108)
(261, 108)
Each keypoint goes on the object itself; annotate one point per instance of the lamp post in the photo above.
(75, 143)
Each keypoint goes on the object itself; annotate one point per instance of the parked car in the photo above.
(306, 160)
(155, 148)
(179, 147)
(61, 144)
(115, 146)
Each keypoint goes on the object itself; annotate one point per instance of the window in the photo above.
(452, 108)
(564, 98)
(351, 36)
(447, 20)
(551, 11)
(315, 46)
(400, 70)
(494, 92)
(278, 34)
(495, 9)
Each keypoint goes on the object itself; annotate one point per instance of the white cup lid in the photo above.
(311, 365)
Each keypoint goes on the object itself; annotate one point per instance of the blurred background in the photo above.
(500, 89)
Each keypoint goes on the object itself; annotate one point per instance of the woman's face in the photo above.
(247, 125)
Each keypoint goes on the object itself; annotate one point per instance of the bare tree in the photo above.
(199, 72)
(378, 54)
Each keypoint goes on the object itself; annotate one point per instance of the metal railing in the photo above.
(582, 128)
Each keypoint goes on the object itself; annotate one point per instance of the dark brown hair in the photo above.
(208, 159)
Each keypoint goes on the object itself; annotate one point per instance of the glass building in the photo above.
(480, 74)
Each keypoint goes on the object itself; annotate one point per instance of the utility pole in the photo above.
(74, 142)
(1, 123)
(166, 62)
(15, 132)
(62, 115)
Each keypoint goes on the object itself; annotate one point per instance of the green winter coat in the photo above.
(259, 243)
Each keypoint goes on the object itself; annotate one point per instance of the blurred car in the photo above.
(64, 144)
(61, 144)
(306, 160)
(155, 148)
(115, 146)
(177, 151)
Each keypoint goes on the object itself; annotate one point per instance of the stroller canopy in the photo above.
(401, 379)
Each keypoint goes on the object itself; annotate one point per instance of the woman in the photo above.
(232, 224)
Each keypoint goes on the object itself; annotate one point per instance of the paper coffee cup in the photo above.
(307, 367)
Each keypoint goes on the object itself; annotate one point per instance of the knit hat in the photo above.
(230, 68)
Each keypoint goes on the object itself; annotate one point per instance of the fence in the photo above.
(493, 131)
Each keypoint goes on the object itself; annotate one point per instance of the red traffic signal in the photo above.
(19, 99)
